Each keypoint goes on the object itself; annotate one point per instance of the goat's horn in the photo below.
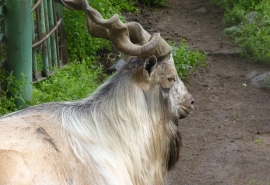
(119, 34)
(123, 36)
(139, 35)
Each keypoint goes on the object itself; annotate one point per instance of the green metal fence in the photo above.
(49, 48)
(2, 28)
(34, 37)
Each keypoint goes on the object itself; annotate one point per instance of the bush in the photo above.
(255, 41)
(251, 34)
(75, 81)
(186, 60)
(8, 93)
(235, 16)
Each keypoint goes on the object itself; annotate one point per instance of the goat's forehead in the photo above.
(167, 67)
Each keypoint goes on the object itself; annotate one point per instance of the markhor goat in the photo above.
(124, 134)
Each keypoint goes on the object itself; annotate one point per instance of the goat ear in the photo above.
(149, 66)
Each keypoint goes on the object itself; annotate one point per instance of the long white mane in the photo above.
(123, 130)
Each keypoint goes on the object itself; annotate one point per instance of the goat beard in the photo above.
(174, 146)
(174, 149)
(173, 118)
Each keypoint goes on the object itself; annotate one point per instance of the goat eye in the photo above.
(171, 79)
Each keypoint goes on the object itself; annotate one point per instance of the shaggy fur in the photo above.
(124, 134)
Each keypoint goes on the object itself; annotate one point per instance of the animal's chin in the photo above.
(184, 112)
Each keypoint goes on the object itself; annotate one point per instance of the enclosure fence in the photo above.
(34, 38)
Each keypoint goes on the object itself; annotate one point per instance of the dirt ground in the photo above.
(227, 139)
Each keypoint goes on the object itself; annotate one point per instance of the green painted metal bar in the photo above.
(59, 14)
(51, 26)
(2, 36)
(63, 58)
(34, 51)
(48, 35)
(2, 22)
(18, 35)
(45, 58)
(47, 31)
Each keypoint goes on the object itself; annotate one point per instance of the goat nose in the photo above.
(192, 101)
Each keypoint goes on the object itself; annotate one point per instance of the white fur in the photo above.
(126, 143)
(124, 134)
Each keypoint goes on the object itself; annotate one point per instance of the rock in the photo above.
(259, 80)
(201, 9)
(253, 17)
(235, 53)
(251, 74)
(230, 30)
(262, 80)
(117, 65)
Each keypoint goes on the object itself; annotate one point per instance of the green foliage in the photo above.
(235, 16)
(154, 2)
(75, 81)
(80, 44)
(251, 34)
(235, 10)
(185, 60)
(254, 40)
(10, 91)
(227, 5)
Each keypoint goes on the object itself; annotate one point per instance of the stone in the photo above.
(117, 65)
(200, 10)
(262, 80)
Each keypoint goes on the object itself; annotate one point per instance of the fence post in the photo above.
(18, 35)
(51, 25)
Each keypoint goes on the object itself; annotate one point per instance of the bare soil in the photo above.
(227, 139)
